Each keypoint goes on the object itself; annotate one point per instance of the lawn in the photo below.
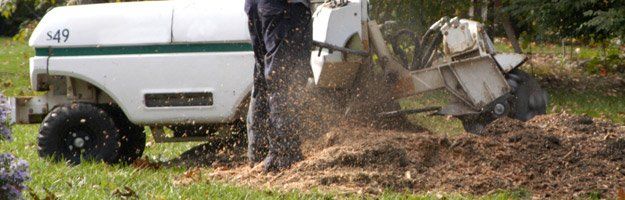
(100, 181)
(14, 78)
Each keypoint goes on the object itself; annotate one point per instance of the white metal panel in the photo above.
(12, 106)
(364, 8)
(458, 38)
(38, 65)
(210, 21)
(320, 60)
(480, 79)
(336, 25)
(106, 24)
(126, 78)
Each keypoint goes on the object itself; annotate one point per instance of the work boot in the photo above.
(275, 162)
(256, 149)
(257, 127)
(254, 157)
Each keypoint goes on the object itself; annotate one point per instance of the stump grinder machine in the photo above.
(454, 55)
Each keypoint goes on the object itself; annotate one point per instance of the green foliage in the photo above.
(536, 20)
(613, 62)
(23, 14)
(20, 17)
(416, 15)
(611, 20)
(7, 8)
(557, 19)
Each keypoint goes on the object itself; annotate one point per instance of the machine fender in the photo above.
(509, 61)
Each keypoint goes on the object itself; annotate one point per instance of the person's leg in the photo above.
(258, 113)
(287, 38)
(257, 119)
(298, 47)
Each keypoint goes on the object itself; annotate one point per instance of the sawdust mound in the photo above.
(554, 156)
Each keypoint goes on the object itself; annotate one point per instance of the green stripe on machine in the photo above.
(148, 49)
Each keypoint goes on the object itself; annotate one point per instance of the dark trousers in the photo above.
(281, 35)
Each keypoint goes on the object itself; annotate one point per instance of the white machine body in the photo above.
(140, 53)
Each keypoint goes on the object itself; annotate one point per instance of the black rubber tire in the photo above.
(131, 136)
(61, 128)
(529, 99)
(476, 124)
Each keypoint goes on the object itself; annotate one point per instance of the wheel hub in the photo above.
(79, 142)
(499, 109)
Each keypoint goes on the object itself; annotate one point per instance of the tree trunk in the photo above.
(484, 11)
(472, 10)
(507, 26)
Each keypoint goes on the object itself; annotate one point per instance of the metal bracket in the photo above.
(27, 110)
(331, 47)
(409, 111)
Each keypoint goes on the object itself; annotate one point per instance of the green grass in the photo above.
(14, 78)
(590, 103)
(437, 124)
(585, 52)
(99, 181)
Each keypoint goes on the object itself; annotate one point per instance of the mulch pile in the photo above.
(553, 156)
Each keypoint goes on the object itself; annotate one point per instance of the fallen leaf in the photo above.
(7, 84)
(50, 195)
(190, 176)
(603, 72)
(143, 163)
(33, 195)
(127, 193)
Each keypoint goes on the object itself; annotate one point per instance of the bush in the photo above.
(613, 62)
(13, 171)
(13, 174)
(5, 131)
(19, 17)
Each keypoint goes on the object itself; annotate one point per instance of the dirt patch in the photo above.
(554, 156)
(569, 75)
